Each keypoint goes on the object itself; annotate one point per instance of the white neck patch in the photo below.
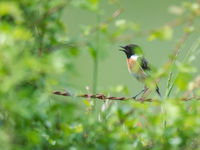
(134, 57)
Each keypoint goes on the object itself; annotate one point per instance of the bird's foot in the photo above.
(134, 97)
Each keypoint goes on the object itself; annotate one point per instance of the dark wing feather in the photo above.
(146, 68)
(144, 64)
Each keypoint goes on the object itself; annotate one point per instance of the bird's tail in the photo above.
(158, 90)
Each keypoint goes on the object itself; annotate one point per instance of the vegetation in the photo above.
(37, 57)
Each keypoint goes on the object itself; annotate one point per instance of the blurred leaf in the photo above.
(33, 137)
(182, 80)
(87, 103)
(186, 68)
(172, 111)
(189, 29)
(119, 89)
(21, 34)
(92, 52)
(86, 30)
(5, 140)
(104, 28)
(177, 10)
(164, 33)
(37, 56)
(120, 23)
(135, 27)
(91, 5)
(74, 51)
(194, 7)
(175, 141)
(198, 92)
(10, 8)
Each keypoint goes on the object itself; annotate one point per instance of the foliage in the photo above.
(37, 56)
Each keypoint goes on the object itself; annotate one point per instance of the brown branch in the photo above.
(92, 30)
(102, 97)
(177, 48)
(54, 10)
(39, 22)
(166, 66)
(190, 98)
(183, 39)
(107, 21)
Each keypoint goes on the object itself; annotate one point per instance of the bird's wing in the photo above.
(144, 65)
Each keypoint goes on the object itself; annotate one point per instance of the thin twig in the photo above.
(54, 10)
(176, 51)
(190, 98)
(40, 23)
(107, 21)
(177, 48)
(96, 59)
(102, 97)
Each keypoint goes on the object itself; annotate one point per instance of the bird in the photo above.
(138, 66)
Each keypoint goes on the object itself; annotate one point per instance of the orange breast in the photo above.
(135, 69)
(131, 63)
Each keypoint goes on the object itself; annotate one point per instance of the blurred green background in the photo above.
(112, 67)
(54, 45)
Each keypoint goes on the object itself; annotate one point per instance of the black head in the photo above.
(129, 49)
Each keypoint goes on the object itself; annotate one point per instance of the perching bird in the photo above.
(137, 64)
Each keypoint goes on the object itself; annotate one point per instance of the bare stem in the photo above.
(96, 59)
(54, 10)
(100, 96)
(107, 21)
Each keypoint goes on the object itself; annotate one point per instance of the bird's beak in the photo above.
(123, 49)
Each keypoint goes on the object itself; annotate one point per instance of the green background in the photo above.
(112, 67)
(44, 47)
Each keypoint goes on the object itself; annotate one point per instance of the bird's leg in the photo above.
(145, 93)
(134, 97)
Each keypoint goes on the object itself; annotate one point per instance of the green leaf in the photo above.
(120, 23)
(91, 5)
(186, 68)
(182, 80)
(92, 52)
(177, 10)
(12, 9)
(164, 33)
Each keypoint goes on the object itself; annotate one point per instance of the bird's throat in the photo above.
(134, 57)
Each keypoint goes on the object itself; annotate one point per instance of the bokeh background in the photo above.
(112, 66)
(73, 45)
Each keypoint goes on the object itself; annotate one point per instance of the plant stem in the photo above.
(95, 75)
(169, 85)
(170, 89)
(96, 59)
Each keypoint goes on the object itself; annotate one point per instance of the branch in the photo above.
(92, 30)
(54, 10)
(102, 97)
(108, 20)
(177, 48)
(190, 98)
